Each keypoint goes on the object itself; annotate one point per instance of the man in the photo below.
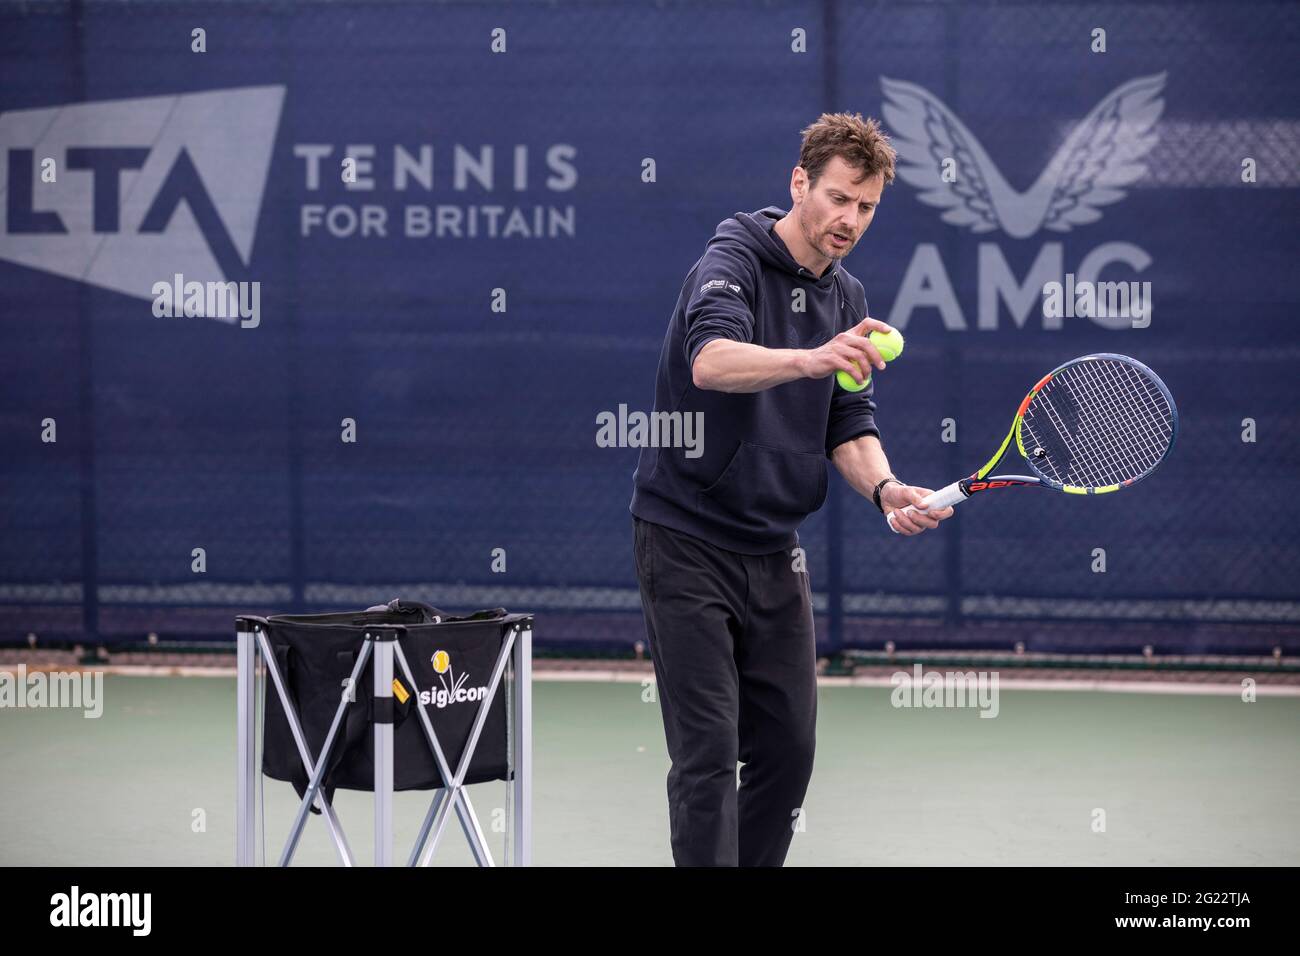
(765, 319)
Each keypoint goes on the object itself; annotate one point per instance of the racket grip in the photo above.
(943, 498)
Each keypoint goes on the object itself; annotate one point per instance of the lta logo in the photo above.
(142, 189)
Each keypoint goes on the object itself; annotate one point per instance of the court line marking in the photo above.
(1216, 688)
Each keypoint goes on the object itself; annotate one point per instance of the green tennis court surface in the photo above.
(1183, 779)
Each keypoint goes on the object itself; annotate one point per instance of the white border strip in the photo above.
(613, 599)
(1217, 688)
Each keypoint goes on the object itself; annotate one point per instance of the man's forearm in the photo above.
(862, 462)
(727, 366)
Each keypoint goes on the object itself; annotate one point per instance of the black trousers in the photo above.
(731, 637)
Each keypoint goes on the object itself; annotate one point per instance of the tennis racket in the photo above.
(1091, 426)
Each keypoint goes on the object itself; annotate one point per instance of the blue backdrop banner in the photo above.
(307, 305)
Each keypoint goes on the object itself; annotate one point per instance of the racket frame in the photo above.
(982, 481)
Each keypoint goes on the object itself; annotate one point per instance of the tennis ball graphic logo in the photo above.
(441, 661)
(890, 345)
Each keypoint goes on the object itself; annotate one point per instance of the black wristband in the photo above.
(875, 495)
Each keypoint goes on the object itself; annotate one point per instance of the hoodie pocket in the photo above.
(766, 490)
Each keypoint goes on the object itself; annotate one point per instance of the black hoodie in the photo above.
(761, 466)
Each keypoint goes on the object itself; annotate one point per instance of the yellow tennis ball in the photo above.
(846, 380)
(890, 345)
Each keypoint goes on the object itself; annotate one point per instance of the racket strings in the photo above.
(1075, 468)
(1116, 404)
(1079, 469)
(1109, 461)
(1155, 430)
(1048, 461)
(1119, 429)
(1109, 423)
(1149, 436)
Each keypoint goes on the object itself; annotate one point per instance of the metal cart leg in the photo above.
(383, 666)
(245, 749)
(304, 754)
(522, 758)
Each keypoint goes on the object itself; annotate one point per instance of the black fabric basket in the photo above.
(316, 653)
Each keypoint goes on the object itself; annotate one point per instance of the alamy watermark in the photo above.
(1129, 302)
(626, 429)
(213, 300)
(932, 689)
(80, 690)
(75, 908)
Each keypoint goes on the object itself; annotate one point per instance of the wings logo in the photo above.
(144, 188)
(1103, 155)
(1100, 157)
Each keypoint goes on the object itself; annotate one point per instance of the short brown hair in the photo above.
(858, 142)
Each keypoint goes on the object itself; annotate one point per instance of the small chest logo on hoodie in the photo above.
(719, 284)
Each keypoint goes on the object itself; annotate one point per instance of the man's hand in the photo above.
(895, 497)
(850, 352)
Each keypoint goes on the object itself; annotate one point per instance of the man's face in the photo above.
(835, 212)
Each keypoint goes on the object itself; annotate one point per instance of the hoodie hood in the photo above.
(754, 231)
